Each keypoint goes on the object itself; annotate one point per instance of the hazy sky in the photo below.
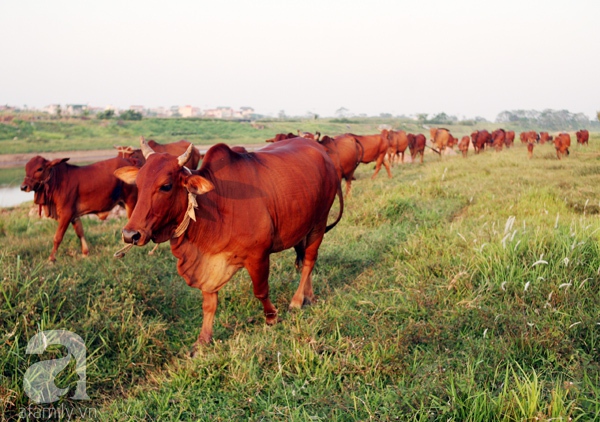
(463, 57)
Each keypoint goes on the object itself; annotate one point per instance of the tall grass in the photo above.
(463, 290)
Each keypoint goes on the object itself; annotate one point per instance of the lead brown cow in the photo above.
(65, 192)
(234, 212)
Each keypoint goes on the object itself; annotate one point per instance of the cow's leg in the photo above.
(300, 251)
(63, 224)
(259, 273)
(422, 154)
(402, 158)
(209, 308)
(78, 226)
(377, 166)
(389, 172)
(379, 162)
(304, 295)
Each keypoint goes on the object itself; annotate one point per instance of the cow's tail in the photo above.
(433, 149)
(361, 152)
(341, 198)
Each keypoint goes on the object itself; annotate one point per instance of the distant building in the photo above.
(52, 109)
(189, 111)
(247, 112)
(75, 109)
(220, 113)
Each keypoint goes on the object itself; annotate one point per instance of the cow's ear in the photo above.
(56, 162)
(128, 174)
(198, 185)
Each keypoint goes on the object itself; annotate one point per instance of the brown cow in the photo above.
(281, 137)
(315, 137)
(173, 148)
(65, 192)
(416, 144)
(509, 140)
(530, 145)
(498, 139)
(440, 138)
(375, 148)
(562, 142)
(531, 136)
(480, 138)
(398, 142)
(583, 137)
(543, 137)
(244, 207)
(463, 145)
(346, 154)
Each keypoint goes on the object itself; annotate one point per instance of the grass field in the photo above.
(459, 290)
(22, 136)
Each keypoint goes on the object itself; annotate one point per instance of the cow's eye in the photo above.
(40, 169)
(167, 187)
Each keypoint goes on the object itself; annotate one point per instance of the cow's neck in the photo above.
(202, 261)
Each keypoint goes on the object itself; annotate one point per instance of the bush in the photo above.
(130, 115)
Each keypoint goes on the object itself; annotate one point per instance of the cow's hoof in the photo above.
(196, 350)
(272, 319)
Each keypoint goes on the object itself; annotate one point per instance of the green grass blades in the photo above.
(461, 289)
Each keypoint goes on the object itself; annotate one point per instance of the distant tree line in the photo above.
(547, 119)
(125, 115)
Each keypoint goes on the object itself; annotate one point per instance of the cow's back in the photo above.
(373, 145)
(282, 190)
(95, 185)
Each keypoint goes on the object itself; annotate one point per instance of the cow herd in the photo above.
(238, 207)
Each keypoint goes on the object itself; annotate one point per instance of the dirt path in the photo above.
(89, 156)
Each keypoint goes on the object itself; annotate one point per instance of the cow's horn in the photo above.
(146, 149)
(185, 156)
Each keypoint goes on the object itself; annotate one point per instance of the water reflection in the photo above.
(11, 196)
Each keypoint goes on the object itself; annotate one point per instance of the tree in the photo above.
(598, 115)
(342, 112)
(106, 114)
(130, 115)
(282, 114)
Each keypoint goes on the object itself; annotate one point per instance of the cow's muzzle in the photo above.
(25, 188)
(131, 236)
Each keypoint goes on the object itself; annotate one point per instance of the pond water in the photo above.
(11, 196)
